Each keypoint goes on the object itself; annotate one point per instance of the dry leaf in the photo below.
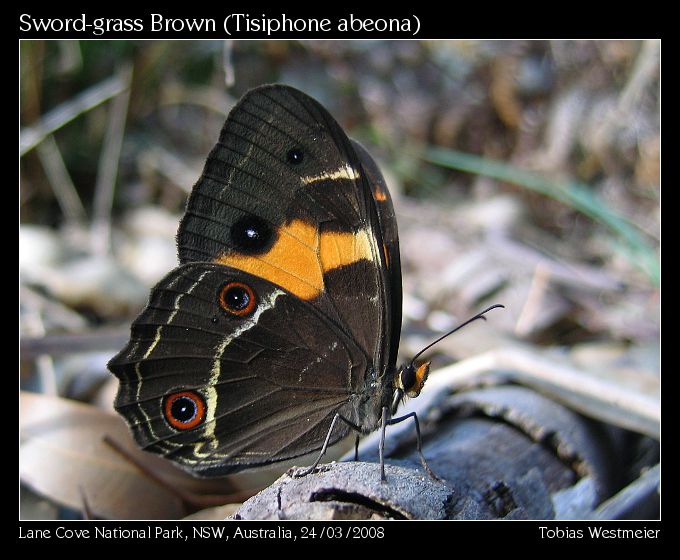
(63, 456)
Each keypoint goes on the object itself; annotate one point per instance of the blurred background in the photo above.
(525, 173)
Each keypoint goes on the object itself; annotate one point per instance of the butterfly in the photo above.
(277, 335)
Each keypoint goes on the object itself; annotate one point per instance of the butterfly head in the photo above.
(411, 379)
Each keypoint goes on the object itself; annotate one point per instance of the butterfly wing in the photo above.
(265, 384)
(290, 208)
(391, 263)
(285, 195)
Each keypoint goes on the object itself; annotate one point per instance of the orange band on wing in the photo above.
(338, 249)
(300, 256)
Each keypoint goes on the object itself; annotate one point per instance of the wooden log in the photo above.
(502, 453)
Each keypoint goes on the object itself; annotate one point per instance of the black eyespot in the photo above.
(237, 299)
(251, 234)
(295, 156)
(184, 410)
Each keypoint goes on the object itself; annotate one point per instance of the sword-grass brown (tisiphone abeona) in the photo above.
(278, 333)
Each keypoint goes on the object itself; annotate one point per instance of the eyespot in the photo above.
(295, 156)
(252, 235)
(237, 299)
(184, 410)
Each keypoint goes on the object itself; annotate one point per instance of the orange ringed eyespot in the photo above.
(237, 299)
(184, 410)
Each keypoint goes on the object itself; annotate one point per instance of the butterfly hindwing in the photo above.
(270, 380)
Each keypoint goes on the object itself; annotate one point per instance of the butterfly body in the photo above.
(285, 311)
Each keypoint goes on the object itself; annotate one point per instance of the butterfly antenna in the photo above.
(479, 315)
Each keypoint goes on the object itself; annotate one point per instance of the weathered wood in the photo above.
(502, 453)
(633, 502)
(595, 397)
(351, 491)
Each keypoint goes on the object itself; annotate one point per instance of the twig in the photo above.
(65, 344)
(591, 396)
(228, 64)
(31, 136)
(532, 305)
(108, 166)
(87, 511)
(60, 180)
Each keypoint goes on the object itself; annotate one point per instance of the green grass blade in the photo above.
(579, 196)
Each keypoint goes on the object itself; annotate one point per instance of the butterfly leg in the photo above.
(381, 447)
(325, 443)
(419, 443)
(356, 448)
